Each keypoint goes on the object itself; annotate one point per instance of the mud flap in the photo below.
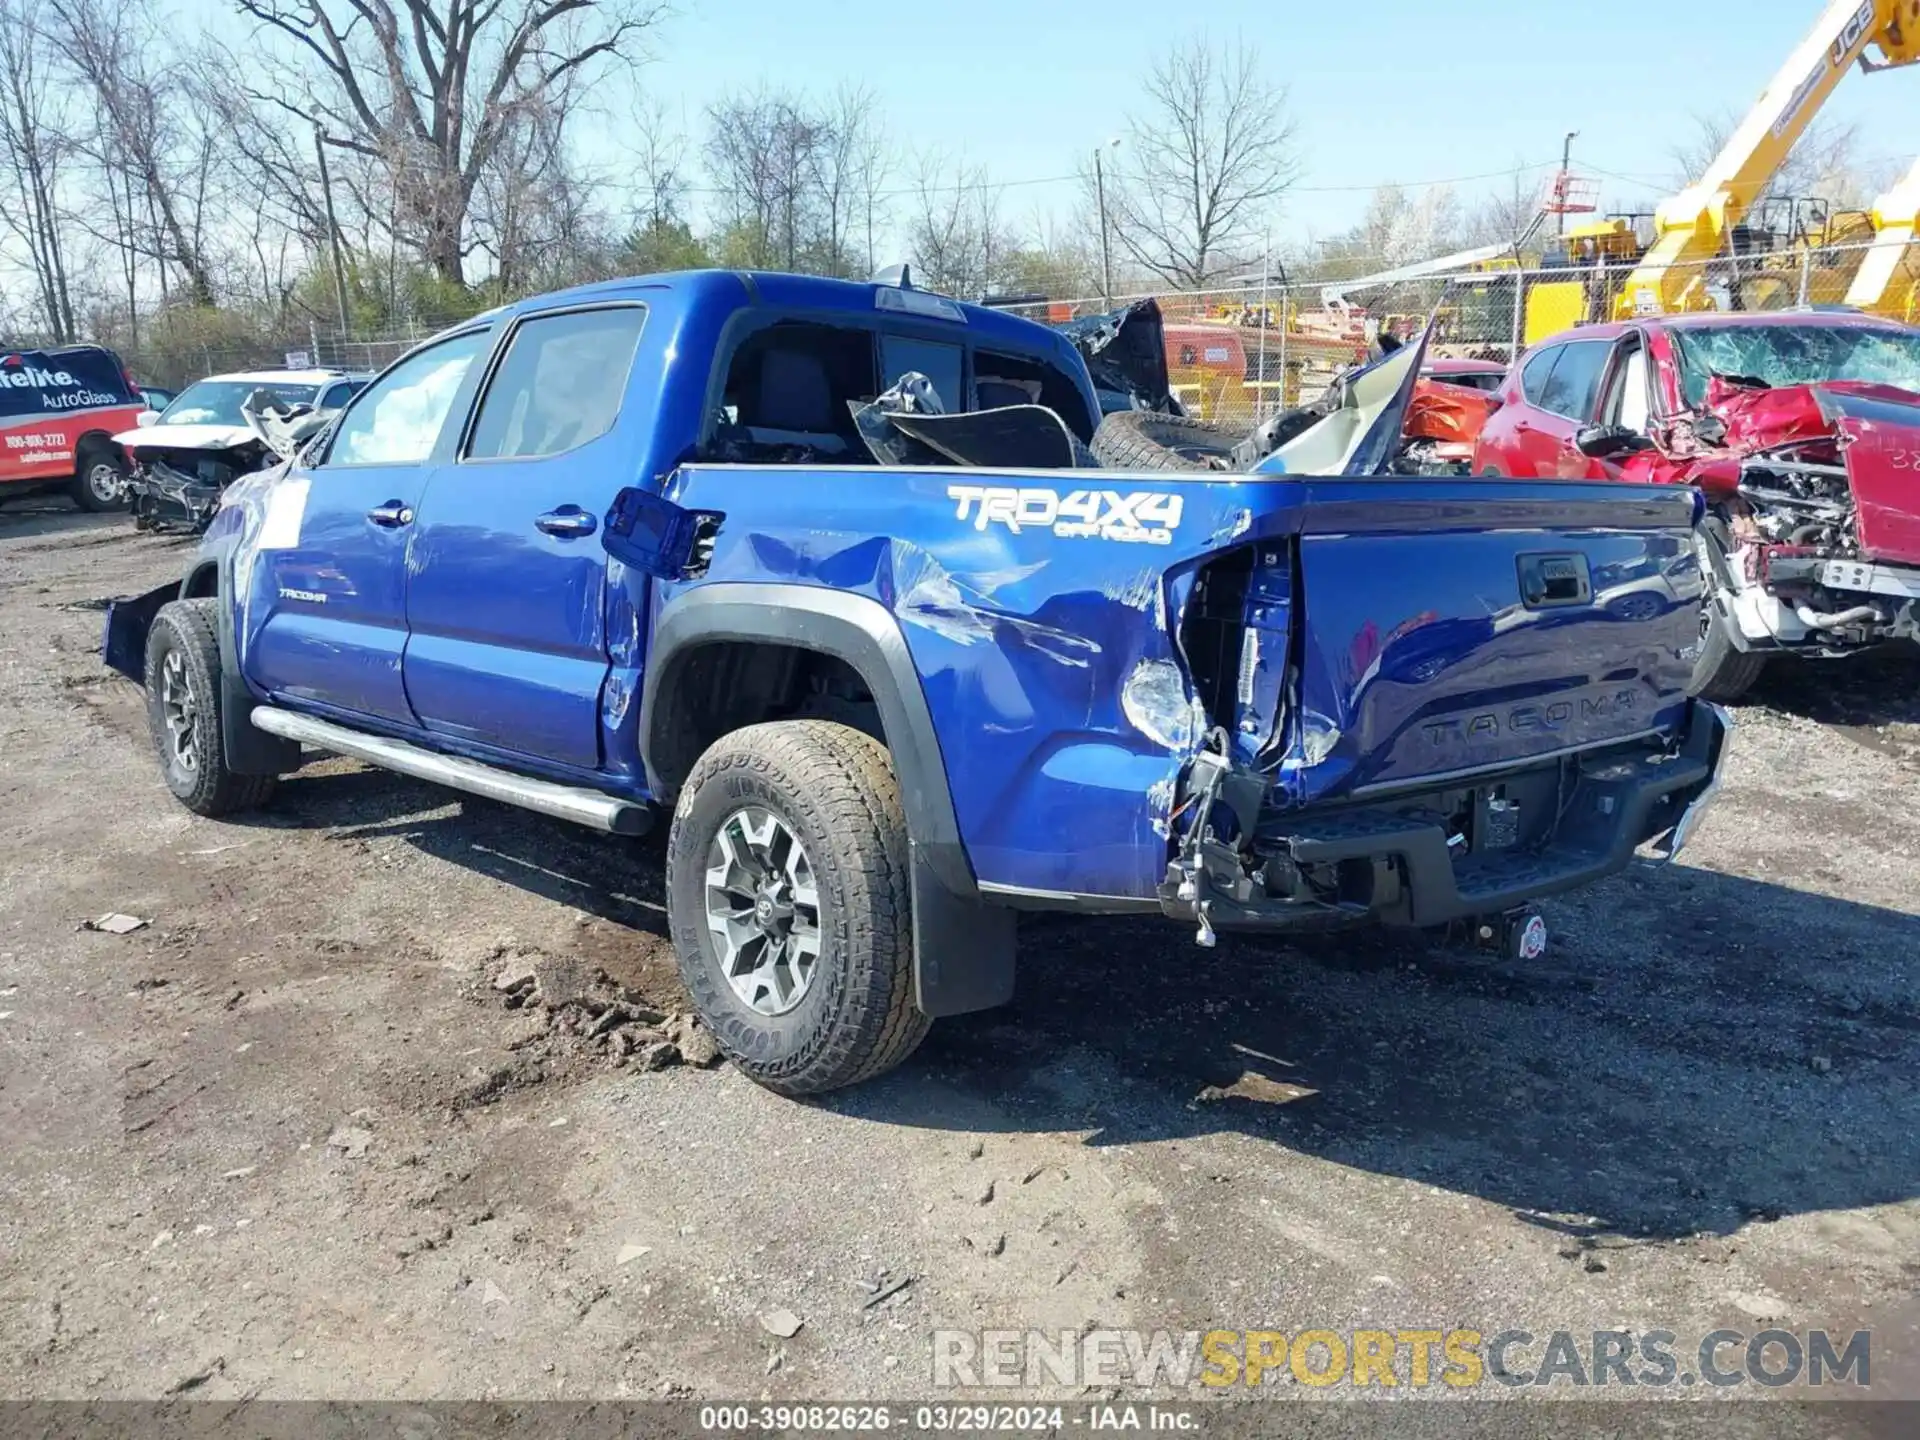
(123, 643)
(963, 951)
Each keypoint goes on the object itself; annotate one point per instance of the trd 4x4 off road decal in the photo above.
(1144, 517)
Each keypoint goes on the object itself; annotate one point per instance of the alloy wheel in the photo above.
(763, 909)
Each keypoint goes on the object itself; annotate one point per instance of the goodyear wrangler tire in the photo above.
(1148, 440)
(788, 899)
(183, 712)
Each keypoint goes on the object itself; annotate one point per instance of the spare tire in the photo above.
(1148, 440)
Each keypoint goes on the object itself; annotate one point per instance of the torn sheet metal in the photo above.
(1126, 353)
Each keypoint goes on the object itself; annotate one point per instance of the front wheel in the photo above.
(100, 479)
(183, 712)
(1722, 672)
(788, 898)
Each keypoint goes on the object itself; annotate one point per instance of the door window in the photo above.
(560, 384)
(1570, 389)
(395, 420)
(1533, 379)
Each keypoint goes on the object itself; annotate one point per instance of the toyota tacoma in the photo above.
(821, 576)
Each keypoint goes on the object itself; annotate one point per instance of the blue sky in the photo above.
(1389, 90)
(1403, 91)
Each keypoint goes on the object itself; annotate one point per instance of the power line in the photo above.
(967, 185)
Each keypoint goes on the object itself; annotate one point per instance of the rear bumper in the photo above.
(1410, 864)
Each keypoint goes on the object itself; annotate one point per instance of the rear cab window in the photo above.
(786, 387)
(941, 363)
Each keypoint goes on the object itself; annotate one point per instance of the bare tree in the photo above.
(760, 148)
(438, 93)
(955, 233)
(1824, 163)
(1504, 216)
(847, 147)
(659, 164)
(874, 158)
(1203, 164)
(147, 136)
(34, 144)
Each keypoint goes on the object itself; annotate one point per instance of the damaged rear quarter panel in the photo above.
(1047, 658)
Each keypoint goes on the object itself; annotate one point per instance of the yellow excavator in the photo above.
(1888, 279)
(1698, 225)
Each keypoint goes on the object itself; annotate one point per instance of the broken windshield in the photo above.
(1796, 355)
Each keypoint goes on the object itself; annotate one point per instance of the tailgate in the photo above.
(1453, 626)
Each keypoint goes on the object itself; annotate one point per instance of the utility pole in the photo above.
(333, 229)
(1106, 250)
(1566, 175)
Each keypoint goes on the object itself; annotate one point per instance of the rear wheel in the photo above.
(183, 712)
(99, 478)
(788, 898)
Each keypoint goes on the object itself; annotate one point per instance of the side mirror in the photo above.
(1605, 442)
(146, 418)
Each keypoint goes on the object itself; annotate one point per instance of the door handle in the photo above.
(568, 522)
(392, 514)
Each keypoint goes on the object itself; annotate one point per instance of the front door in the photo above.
(326, 612)
(507, 606)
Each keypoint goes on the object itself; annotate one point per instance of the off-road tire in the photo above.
(190, 629)
(835, 788)
(1723, 672)
(1148, 440)
(90, 462)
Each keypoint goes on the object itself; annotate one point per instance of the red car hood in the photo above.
(1874, 430)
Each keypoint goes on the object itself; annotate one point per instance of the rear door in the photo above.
(1515, 441)
(327, 615)
(507, 604)
(1566, 407)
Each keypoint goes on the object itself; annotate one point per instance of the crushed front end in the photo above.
(174, 488)
(1815, 538)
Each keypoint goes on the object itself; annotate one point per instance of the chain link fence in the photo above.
(1240, 353)
(175, 361)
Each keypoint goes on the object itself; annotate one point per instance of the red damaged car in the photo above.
(1802, 429)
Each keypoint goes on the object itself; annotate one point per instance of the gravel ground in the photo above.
(290, 1140)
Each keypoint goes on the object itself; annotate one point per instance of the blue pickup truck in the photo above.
(645, 552)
